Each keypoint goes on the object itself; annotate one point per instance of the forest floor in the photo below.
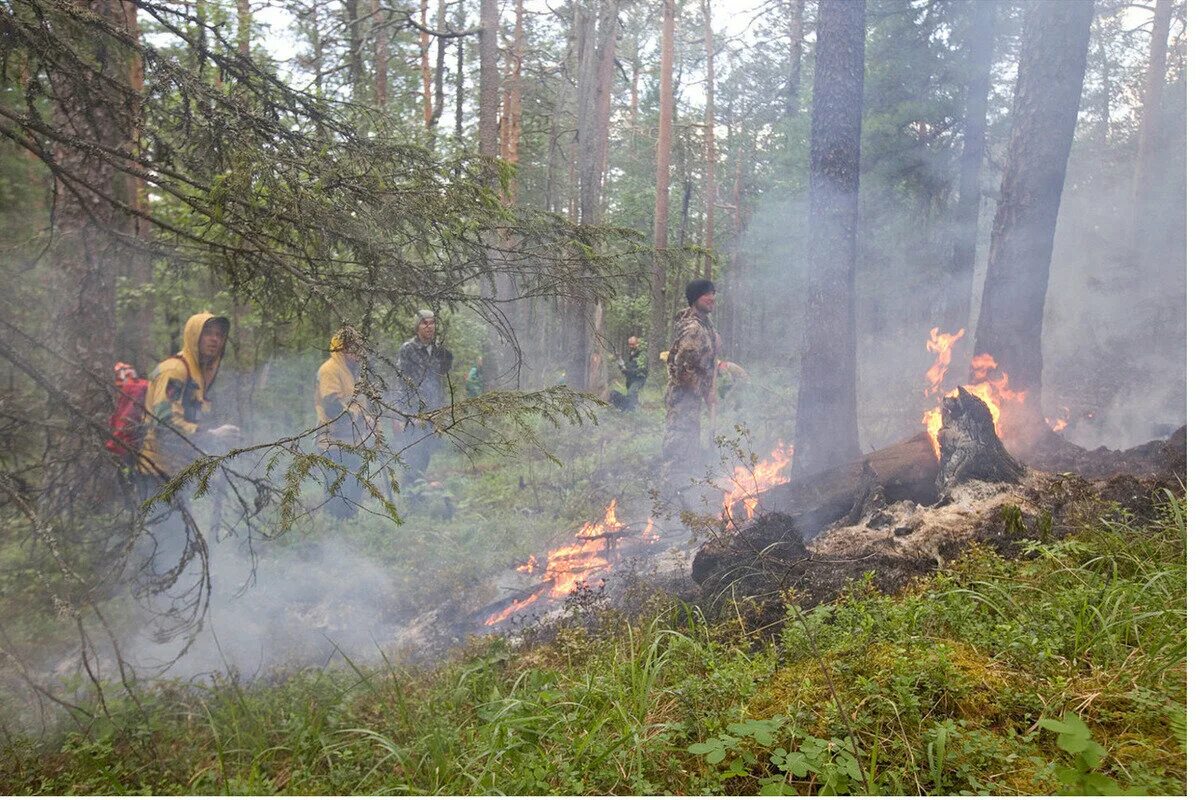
(1061, 670)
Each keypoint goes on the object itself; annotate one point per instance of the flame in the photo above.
(942, 344)
(748, 482)
(571, 565)
(511, 609)
(648, 533)
(1059, 424)
(993, 391)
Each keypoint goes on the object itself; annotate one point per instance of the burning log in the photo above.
(969, 445)
(858, 491)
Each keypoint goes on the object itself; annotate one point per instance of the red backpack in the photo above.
(125, 425)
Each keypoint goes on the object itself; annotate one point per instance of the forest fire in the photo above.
(989, 384)
(749, 482)
(572, 564)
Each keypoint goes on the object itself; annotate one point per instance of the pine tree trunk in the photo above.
(93, 108)
(710, 148)
(244, 24)
(965, 226)
(666, 103)
(426, 73)
(1149, 133)
(1049, 82)
(439, 71)
(380, 60)
(827, 405)
(791, 89)
(489, 79)
(459, 81)
(354, 44)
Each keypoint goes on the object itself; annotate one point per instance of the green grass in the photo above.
(967, 682)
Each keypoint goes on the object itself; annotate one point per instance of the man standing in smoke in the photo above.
(342, 416)
(424, 366)
(633, 365)
(691, 369)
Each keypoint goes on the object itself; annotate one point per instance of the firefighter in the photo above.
(633, 366)
(691, 369)
(178, 413)
(424, 366)
(343, 418)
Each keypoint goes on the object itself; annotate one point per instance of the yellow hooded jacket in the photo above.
(335, 394)
(177, 403)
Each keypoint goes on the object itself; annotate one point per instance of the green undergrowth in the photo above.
(1061, 672)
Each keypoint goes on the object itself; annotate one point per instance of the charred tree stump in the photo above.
(970, 447)
(798, 512)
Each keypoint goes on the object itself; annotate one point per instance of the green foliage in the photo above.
(1083, 776)
(948, 688)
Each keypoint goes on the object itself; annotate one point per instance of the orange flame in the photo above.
(512, 608)
(571, 564)
(648, 533)
(993, 391)
(749, 482)
(941, 344)
(1062, 422)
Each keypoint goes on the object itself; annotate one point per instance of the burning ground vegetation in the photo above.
(991, 675)
(543, 631)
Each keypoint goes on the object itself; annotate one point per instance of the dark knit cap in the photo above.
(697, 289)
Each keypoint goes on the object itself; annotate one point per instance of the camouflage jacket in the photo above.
(692, 359)
(424, 374)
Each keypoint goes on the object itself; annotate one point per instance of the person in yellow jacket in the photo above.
(178, 413)
(342, 416)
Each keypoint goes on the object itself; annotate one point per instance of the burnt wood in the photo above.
(969, 444)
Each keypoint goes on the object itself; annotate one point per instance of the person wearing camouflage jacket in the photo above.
(424, 366)
(691, 369)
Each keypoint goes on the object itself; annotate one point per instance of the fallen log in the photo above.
(860, 490)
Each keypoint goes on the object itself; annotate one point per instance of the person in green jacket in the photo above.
(633, 366)
(475, 385)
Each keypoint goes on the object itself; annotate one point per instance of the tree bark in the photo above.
(662, 182)
(710, 148)
(95, 108)
(244, 21)
(426, 74)
(354, 46)
(380, 59)
(1049, 83)
(1149, 132)
(791, 89)
(439, 70)
(459, 90)
(826, 404)
(965, 225)
(489, 79)
(510, 119)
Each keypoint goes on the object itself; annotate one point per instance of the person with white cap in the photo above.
(424, 366)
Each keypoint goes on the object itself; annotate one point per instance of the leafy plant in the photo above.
(1083, 776)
